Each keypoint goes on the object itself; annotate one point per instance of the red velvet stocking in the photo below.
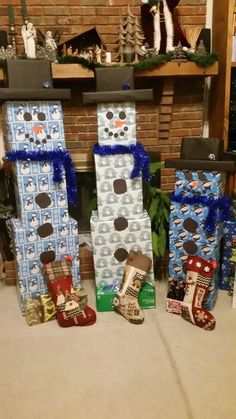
(199, 274)
(59, 281)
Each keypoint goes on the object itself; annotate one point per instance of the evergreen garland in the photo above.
(145, 64)
(202, 60)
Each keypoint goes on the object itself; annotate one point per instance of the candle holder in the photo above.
(12, 33)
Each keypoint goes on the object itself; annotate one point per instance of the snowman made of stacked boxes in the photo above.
(120, 222)
(43, 230)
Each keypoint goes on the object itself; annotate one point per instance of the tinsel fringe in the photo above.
(59, 159)
(141, 158)
(219, 208)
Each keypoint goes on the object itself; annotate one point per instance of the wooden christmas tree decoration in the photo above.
(130, 39)
(179, 54)
(201, 49)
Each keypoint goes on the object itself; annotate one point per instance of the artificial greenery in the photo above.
(157, 204)
(145, 64)
(202, 60)
(70, 59)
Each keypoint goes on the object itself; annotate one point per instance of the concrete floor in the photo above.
(165, 368)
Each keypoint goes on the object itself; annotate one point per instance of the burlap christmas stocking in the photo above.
(126, 300)
(198, 278)
(59, 280)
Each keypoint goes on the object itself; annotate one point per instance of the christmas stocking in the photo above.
(198, 278)
(126, 300)
(59, 280)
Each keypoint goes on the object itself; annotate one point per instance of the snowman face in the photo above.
(50, 246)
(62, 247)
(34, 268)
(33, 221)
(116, 124)
(47, 218)
(30, 185)
(63, 230)
(31, 235)
(19, 132)
(18, 254)
(54, 131)
(61, 202)
(33, 285)
(65, 216)
(30, 254)
(43, 184)
(25, 168)
(45, 167)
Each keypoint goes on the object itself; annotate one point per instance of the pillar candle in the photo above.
(11, 15)
(24, 9)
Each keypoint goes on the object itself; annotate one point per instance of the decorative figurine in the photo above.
(48, 45)
(28, 33)
(160, 26)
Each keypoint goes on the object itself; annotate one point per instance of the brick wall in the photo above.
(182, 114)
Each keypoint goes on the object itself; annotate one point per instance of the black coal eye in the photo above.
(41, 116)
(109, 115)
(122, 115)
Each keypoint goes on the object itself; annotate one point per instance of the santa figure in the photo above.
(160, 26)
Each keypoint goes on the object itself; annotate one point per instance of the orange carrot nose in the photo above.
(38, 128)
(119, 123)
(195, 183)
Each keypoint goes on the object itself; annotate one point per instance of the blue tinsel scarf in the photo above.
(59, 159)
(219, 208)
(141, 158)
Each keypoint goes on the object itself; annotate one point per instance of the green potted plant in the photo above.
(157, 204)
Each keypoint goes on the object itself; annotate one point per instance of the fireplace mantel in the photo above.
(170, 69)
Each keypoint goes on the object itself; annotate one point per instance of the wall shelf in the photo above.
(76, 71)
(170, 69)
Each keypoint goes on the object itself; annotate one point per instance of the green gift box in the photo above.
(104, 298)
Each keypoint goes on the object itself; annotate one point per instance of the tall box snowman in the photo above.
(43, 175)
(120, 223)
(198, 211)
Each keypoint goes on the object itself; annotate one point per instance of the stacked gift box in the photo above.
(120, 223)
(227, 267)
(44, 226)
(187, 225)
(197, 212)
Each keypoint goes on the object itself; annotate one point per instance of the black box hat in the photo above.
(203, 154)
(116, 84)
(30, 79)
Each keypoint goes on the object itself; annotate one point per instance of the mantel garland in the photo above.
(219, 209)
(60, 159)
(141, 157)
(145, 64)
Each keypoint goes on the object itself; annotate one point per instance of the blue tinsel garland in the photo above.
(59, 159)
(219, 208)
(141, 158)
